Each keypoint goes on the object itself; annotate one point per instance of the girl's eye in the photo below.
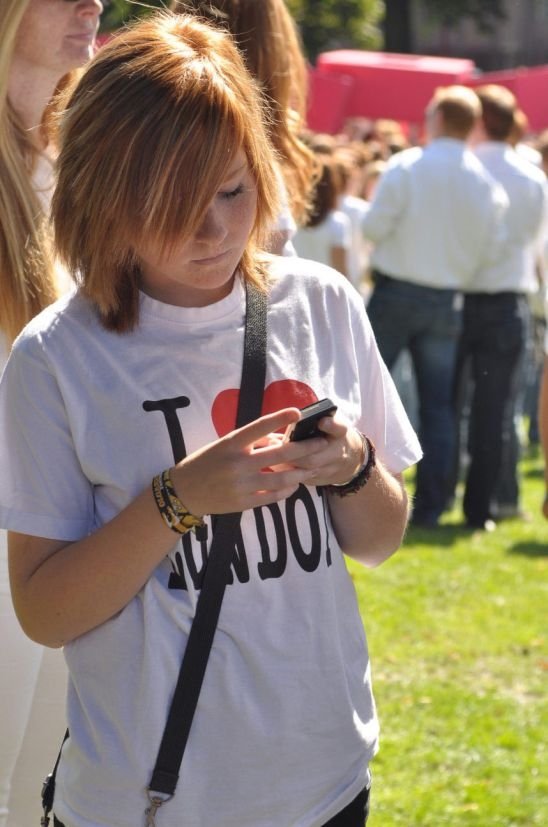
(233, 193)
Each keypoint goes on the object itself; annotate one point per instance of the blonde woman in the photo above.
(267, 36)
(41, 42)
(165, 196)
(327, 235)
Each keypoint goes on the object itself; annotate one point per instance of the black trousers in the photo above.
(493, 342)
(354, 815)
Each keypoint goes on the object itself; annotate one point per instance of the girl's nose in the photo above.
(212, 228)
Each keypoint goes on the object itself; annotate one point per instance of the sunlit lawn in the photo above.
(457, 628)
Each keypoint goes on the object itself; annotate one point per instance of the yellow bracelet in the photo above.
(175, 515)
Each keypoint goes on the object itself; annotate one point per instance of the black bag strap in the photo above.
(48, 788)
(170, 755)
(183, 705)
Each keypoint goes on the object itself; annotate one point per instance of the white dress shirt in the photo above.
(526, 218)
(436, 216)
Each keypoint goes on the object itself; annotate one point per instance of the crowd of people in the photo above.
(150, 195)
(450, 255)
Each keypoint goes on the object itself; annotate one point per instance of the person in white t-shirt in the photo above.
(355, 207)
(40, 44)
(327, 235)
(166, 190)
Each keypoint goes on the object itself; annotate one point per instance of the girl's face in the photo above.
(200, 271)
(57, 36)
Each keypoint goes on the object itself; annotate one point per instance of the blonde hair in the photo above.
(147, 138)
(26, 264)
(267, 36)
(498, 107)
(459, 107)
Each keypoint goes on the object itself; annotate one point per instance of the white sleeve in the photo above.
(387, 205)
(341, 230)
(541, 238)
(43, 490)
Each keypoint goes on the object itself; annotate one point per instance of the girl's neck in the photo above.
(30, 89)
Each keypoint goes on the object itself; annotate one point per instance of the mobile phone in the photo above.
(307, 426)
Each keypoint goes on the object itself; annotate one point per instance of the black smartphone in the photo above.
(307, 426)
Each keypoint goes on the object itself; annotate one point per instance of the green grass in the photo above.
(457, 630)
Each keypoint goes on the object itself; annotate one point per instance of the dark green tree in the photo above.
(118, 12)
(335, 24)
(324, 24)
(330, 24)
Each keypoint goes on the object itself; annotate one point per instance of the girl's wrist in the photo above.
(361, 475)
(175, 514)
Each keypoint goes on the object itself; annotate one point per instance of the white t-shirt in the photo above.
(315, 243)
(285, 223)
(356, 209)
(286, 723)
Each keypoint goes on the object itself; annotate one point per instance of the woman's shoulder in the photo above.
(48, 329)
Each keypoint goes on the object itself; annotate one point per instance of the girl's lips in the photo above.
(210, 259)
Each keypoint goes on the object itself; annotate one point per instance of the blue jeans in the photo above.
(427, 322)
(493, 342)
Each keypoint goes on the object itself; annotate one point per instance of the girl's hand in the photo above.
(247, 468)
(334, 458)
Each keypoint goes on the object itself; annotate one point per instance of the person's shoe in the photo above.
(482, 525)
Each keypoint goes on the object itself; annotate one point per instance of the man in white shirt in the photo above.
(435, 220)
(496, 319)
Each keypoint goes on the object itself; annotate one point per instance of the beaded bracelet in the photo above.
(174, 514)
(361, 477)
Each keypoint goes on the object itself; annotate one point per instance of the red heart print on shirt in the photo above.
(284, 393)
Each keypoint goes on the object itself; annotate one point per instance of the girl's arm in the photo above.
(371, 523)
(339, 260)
